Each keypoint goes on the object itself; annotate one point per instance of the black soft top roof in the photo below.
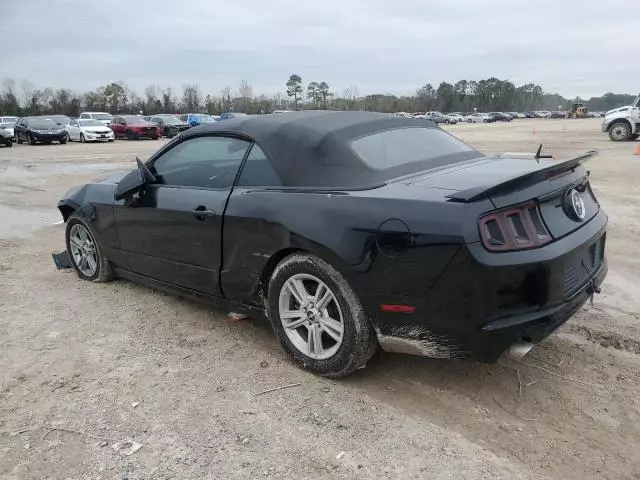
(311, 148)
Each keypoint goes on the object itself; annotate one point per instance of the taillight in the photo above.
(515, 228)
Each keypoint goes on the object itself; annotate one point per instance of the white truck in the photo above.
(623, 123)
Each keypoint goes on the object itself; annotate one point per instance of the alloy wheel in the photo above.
(83, 250)
(311, 316)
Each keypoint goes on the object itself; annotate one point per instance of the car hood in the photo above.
(616, 110)
(142, 124)
(95, 129)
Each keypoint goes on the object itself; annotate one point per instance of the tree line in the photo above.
(24, 98)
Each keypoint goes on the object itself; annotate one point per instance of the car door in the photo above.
(172, 231)
(17, 129)
(117, 125)
(73, 129)
(160, 122)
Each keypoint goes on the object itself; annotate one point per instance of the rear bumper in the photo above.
(484, 302)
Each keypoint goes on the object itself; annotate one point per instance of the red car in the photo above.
(133, 127)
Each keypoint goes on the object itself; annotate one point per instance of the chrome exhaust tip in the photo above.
(519, 350)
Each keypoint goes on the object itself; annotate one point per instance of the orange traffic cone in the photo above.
(637, 152)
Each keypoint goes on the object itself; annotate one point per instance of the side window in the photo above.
(84, 115)
(258, 171)
(204, 162)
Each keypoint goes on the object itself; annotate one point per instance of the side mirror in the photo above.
(134, 181)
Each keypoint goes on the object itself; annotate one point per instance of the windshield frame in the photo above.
(40, 123)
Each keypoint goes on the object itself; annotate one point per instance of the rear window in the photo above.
(402, 146)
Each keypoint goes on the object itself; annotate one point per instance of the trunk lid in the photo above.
(510, 181)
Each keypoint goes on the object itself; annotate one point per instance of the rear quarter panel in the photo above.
(384, 245)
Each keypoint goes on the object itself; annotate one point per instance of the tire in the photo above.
(30, 139)
(63, 140)
(357, 341)
(69, 137)
(18, 139)
(634, 136)
(129, 134)
(620, 132)
(110, 140)
(82, 139)
(103, 272)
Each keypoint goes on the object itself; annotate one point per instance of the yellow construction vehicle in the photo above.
(578, 110)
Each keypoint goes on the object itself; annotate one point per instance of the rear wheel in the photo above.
(318, 318)
(68, 137)
(130, 136)
(85, 252)
(620, 132)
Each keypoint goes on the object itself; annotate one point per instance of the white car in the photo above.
(104, 117)
(478, 118)
(454, 116)
(87, 130)
(7, 123)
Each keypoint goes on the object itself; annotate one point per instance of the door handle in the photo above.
(201, 212)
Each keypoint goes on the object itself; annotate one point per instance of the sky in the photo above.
(572, 47)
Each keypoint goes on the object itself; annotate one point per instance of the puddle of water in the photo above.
(15, 222)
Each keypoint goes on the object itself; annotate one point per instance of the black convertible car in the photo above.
(351, 230)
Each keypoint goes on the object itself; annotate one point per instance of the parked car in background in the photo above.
(133, 127)
(39, 129)
(500, 117)
(88, 130)
(6, 138)
(104, 117)
(479, 118)
(454, 116)
(228, 115)
(195, 119)
(170, 125)
(557, 115)
(8, 123)
(62, 120)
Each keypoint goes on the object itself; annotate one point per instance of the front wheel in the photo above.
(18, 139)
(318, 318)
(63, 140)
(82, 139)
(30, 139)
(85, 252)
(620, 132)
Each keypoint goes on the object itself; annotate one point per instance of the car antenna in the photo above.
(539, 154)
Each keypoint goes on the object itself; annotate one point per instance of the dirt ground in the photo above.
(84, 366)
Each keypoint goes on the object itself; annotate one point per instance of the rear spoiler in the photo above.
(536, 176)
